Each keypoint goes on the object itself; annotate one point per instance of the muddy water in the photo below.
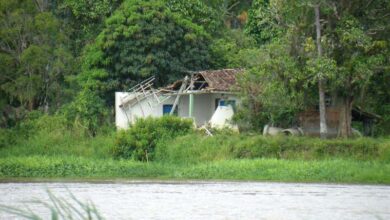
(211, 200)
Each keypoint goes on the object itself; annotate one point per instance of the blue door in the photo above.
(167, 109)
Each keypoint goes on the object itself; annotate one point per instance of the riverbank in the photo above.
(329, 171)
(169, 149)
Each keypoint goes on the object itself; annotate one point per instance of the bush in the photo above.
(7, 137)
(87, 111)
(140, 140)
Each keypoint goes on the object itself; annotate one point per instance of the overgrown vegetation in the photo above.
(331, 170)
(68, 57)
(196, 148)
(175, 150)
(51, 136)
(299, 57)
(140, 140)
(61, 61)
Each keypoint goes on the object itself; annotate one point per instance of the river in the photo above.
(209, 200)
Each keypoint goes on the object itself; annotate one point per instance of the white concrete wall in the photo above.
(121, 121)
(204, 108)
(129, 114)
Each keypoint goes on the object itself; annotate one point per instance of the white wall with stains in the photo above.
(204, 107)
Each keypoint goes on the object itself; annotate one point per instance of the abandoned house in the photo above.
(309, 120)
(205, 96)
(209, 97)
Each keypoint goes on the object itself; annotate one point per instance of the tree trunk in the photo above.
(46, 87)
(323, 125)
(321, 82)
(345, 122)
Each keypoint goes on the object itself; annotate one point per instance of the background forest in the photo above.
(62, 60)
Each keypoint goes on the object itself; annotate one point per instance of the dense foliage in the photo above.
(67, 57)
(142, 39)
(354, 54)
(140, 140)
(34, 60)
(194, 156)
(62, 60)
(84, 19)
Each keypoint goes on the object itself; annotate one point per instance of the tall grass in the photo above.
(330, 170)
(59, 208)
(52, 136)
(196, 148)
(48, 148)
(77, 167)
(61, 144)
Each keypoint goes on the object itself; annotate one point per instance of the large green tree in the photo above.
(350, 50)
(33, 58)
(143, 39)
(358, 48)
(272, 91)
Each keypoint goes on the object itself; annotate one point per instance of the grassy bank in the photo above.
(197, 148)
(52, 150)
(331, 170)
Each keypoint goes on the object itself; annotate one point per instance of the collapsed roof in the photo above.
(358, 114)
(210, 80)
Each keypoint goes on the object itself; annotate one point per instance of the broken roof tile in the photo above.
(220, 80)
(217, 80)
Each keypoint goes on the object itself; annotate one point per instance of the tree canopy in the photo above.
(70, 56)
(353, 42)
(34, 59)
(143, 39)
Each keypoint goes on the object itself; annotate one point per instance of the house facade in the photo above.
(309, 121)
(210, 98)
(197, 96)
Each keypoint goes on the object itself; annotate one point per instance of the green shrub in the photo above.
(7, 137)
(384, 151)
(87, 111)
(140, 140)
